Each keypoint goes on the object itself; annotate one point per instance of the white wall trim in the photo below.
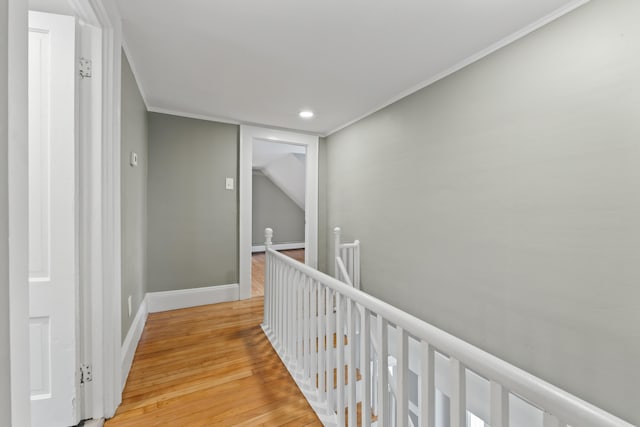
(279, 247)
(470, 60)
(185, 298)
(101, 305)
(132, 339)
(247, 136)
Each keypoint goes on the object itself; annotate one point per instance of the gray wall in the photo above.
(5, 364)
(323, 228)
(271, 207)
(192, 219)
(502, 203)
(134, 196)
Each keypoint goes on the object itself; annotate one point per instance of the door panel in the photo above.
(52, 220)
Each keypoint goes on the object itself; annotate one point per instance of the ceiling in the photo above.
(265, 152)
(261, 62)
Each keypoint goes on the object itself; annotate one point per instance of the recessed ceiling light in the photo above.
(306, 114)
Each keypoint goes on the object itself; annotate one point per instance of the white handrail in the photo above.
(285, 275)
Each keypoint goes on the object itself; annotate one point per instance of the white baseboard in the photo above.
(279, 247)
(154, 302)
(173, 300)
(131, 340)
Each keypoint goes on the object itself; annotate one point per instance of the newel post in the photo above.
(268, 236)
(336, 249)
(268, 304)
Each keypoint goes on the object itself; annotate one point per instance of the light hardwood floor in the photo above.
(209, 366)
(257, 269)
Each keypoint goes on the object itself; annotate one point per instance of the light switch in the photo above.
(229, 184)
(133, 159)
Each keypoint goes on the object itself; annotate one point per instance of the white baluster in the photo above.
(274, 292)
(268, 235)
(313, 330)
(383, 371)
(281, 304)
(458, 398)
(299, 326)
(269, 283)
(291, 273)
(285, 298)
(351, 362)
(499, 405)
(351, 276)
(365, 366)
(291, 311)
(402, 390)
(305, 301)
(331, 354)
(427, 386)
(276, 300)
(336, 251)
(356, 279)
(340, 359)
(286, 293)
(322, 339)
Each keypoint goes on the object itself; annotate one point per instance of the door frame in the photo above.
(99, 216)
(247, 135)
(100, 342)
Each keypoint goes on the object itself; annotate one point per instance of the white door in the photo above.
(52, 219)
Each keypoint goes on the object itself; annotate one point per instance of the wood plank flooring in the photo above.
(207, 366)
(257, 269)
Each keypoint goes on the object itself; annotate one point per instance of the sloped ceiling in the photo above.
(261, 62)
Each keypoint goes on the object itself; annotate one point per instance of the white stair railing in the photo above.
(349, 254)
(312, 320)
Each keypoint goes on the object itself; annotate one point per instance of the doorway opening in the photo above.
(278, 202)
(278, 189)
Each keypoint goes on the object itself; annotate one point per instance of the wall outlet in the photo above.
(129, 302)
(229, 184)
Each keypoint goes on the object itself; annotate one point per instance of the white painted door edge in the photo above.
(247, 136)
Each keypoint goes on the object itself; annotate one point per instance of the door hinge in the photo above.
(85, 68)
(85, 374)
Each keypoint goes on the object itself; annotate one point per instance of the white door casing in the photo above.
(247, 136)
(53, 285)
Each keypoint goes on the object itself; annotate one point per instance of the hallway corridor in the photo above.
(210, 365)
